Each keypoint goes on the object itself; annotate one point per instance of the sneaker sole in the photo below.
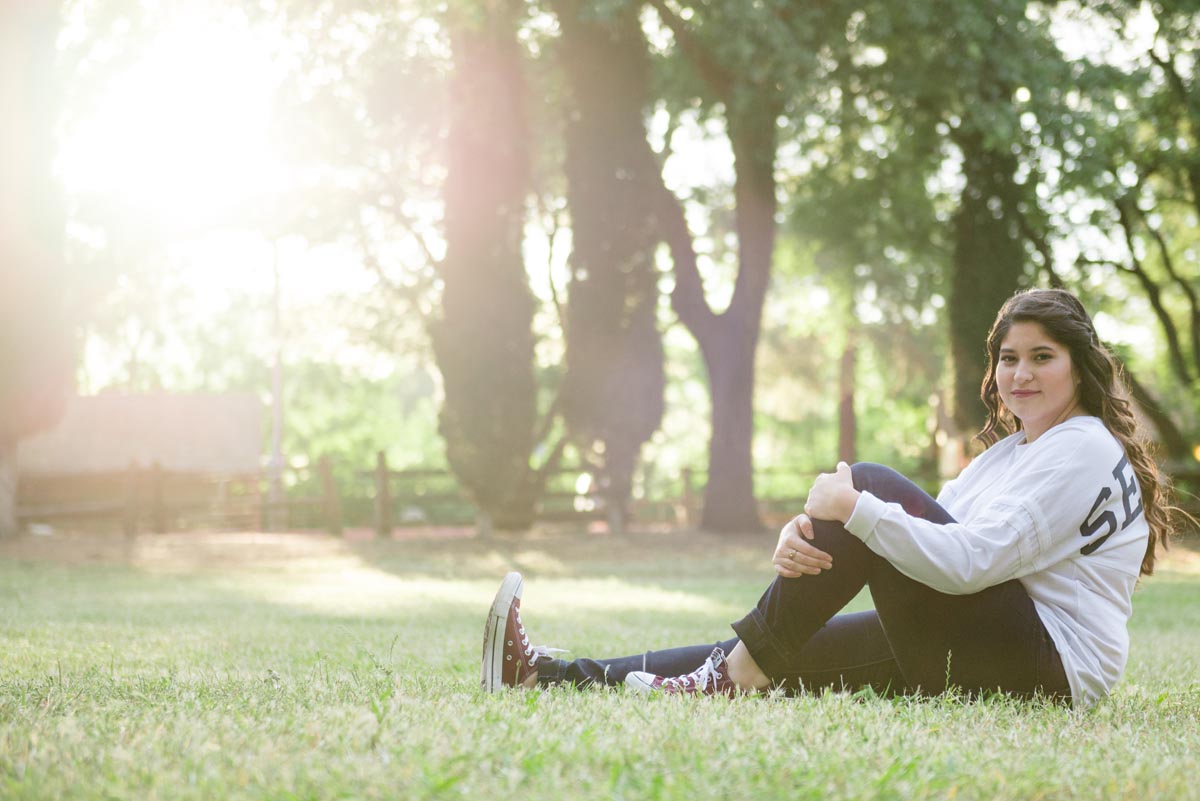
(640, 682)
(492, 678)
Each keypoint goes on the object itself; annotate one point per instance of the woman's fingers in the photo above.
(806, 550)
(805, 526)
(785, 573)
(794, 556)
(798, 555)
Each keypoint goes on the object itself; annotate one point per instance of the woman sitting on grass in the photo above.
(1016, 579)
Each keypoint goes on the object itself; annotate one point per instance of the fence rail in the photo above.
(383, 498)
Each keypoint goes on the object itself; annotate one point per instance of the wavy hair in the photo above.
(1102, 392)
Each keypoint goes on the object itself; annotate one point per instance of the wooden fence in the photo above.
(157, 500)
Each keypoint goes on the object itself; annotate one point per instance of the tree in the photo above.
(747, 60)
(987, 266)
(1143, 125)
(960, 81)
(36, 343)
(612, 393)
(483, 339)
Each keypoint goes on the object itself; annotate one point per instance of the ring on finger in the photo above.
(792, 554)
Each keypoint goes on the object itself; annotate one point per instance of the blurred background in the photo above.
(503, 263)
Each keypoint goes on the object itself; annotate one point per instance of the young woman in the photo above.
(1016, 579)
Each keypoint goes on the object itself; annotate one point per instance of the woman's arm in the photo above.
(1059, 501)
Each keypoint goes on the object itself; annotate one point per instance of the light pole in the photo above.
(276, 511)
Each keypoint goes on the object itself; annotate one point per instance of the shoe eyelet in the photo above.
(508, 658)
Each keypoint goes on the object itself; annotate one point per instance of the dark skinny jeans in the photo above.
(916, 640)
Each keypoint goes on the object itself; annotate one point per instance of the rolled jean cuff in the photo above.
(764, 647)
(551, 671)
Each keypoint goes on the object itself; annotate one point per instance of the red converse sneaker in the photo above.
(508, 658)
(711, 678)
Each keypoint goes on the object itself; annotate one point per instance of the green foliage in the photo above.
(326, 404)
(911, 138)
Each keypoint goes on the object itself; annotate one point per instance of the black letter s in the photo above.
(1129, 488)
(1089, 527)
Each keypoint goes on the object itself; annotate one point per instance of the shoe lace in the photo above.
(534, 652)
(700, 678)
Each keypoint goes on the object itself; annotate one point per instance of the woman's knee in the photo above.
(892, 486)
(869, 474)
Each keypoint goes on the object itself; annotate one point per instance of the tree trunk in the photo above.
(8, 488)
(1172, 441)
(36, 329)
(987, 266)
(847, 421)
(612, 394)
(483, 341)
(729, 503)
(729, 342)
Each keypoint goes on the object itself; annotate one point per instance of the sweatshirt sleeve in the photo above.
(1032, 523)
(946, 495)
(950, 489)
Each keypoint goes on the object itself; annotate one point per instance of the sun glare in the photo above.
(182, 136)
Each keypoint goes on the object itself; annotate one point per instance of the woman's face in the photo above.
(1036, 379)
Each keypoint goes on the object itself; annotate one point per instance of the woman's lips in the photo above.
(1023, 393)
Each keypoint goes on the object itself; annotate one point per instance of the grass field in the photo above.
(306, 667)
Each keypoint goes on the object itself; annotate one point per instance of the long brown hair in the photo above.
(1102, 393)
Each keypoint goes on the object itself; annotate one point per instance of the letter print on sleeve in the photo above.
(1094, 523)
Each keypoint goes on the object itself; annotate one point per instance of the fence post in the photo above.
(158, 509)
(383, 496)
(262, 501)
(221, 506)
(132, 486)
(331, 504)
(689, 498)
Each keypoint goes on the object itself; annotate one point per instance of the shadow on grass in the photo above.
(262, 599)
(183, 597)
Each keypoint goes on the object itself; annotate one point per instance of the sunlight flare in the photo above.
(182, 135)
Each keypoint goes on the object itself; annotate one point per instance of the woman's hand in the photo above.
(833, 495)
(795, 556)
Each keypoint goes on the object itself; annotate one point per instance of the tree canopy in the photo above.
(767, 222)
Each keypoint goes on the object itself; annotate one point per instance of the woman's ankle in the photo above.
(744, 671)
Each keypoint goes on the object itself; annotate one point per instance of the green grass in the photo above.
(277, 668)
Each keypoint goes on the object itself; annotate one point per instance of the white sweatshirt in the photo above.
(1063, 514)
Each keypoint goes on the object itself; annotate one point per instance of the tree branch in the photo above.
(687, 298)
(1153, 292)
(1186, 286)
(715, 75)
(1176, 82)
(372, 262)
(666, 152)
(551, 229)
(1169, 435)
(1043, 247)
(407, 223)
